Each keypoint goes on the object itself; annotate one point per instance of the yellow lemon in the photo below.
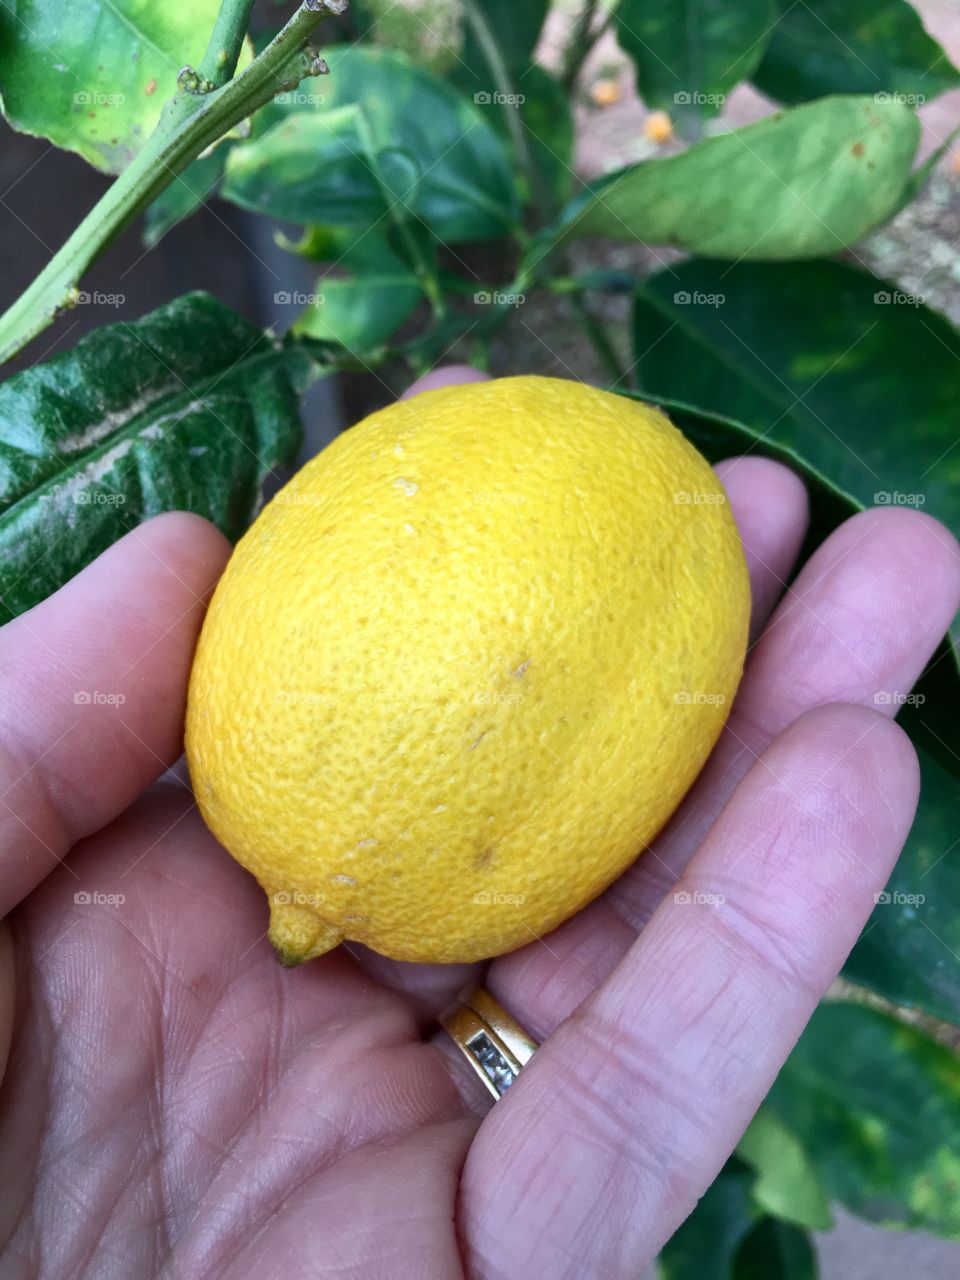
(464, 667)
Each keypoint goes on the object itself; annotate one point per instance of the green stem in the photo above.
(505, 87)
(226, 40)
(422, 267)
(600, 340)
(583, 40)
(191, 121)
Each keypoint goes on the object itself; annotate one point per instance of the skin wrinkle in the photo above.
(26, 1007)
(330, 1152)
(739, 1046)
(257, 1229)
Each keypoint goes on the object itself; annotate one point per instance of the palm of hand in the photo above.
(176, 1104)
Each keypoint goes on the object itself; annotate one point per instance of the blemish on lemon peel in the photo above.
(489, 731)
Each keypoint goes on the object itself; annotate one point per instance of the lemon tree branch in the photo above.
(198, 115)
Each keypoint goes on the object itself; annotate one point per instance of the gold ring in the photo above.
(494, 1044)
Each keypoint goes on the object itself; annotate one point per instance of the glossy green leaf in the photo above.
(775, 1250)
(787, 1184)
(691, 53)
(547, 120)
(184, 196)
(808, 181)
(360, 312)
(908, 950)
(823, 356)
(515, 29)
(853, 46)
(878, 1105)
(92, 77)
(384, 134)
(310, 167)
(705, 1246)
(190, 408)
(364, 308)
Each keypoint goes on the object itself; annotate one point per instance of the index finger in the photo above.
(92, 691)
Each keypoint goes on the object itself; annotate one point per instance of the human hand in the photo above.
(178, 1105)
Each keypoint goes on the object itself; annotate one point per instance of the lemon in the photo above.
(464, 666)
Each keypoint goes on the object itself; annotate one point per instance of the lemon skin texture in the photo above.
(463, 668)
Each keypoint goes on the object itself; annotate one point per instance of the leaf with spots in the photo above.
(805, 182)
(93, 77)
(189, 409)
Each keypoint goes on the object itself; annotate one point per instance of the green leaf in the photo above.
(805, 182)
(689, 55)
(384, 133)
(515, 29)
(190, 409)
(824, 358)
(787, 1185)
(774, 1250)
(184, 196)
(853, 46)
(546, 117)
(92, 77)
(362, 310)
(908, 950)
(309, 168)
(705, 1246)
(878, 1104)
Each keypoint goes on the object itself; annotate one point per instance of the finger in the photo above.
(624, 1117)
(93, 691)
(7, 993)
(449, 375)
(769, 504)
(864, 616)
(865, 613)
